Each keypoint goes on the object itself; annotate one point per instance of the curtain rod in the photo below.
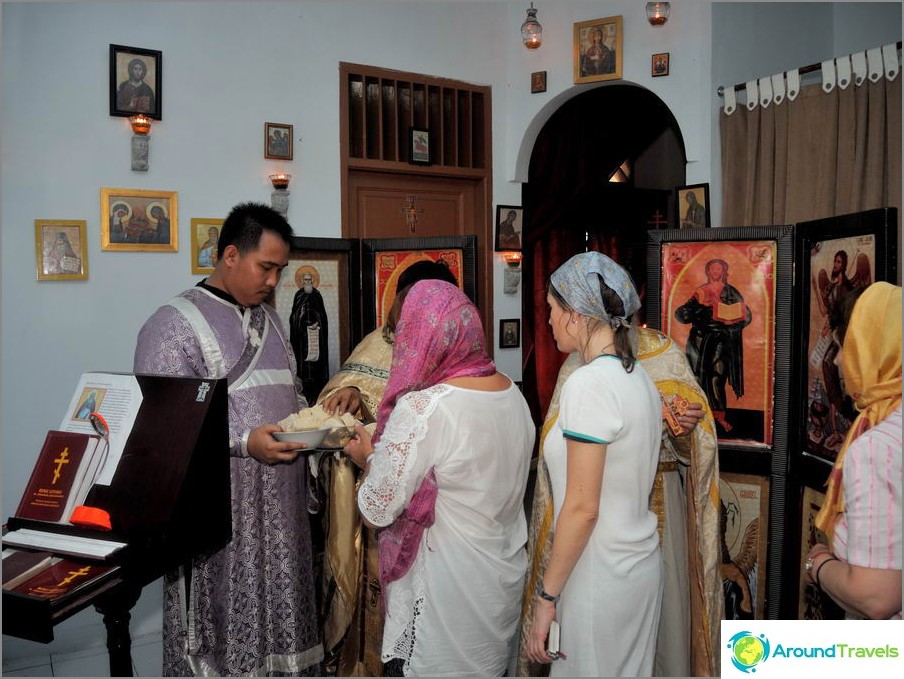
(810, 68)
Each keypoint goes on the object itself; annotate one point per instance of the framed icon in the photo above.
(509, 333)
(278, 141)
(139, 220)
(384, 260)
(136, 81)
(205, 236)
(61, 250)
(692, 206)
(537, 82)
(509, 226)
(740, 278)
(419, 146)
(598, 50)
(659, 64)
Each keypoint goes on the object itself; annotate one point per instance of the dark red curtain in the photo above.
(570, 206)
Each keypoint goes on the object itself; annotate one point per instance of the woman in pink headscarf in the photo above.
(445, 476)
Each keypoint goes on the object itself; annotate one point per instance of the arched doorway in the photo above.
(601, 174)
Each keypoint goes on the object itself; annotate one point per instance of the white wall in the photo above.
(227, 68)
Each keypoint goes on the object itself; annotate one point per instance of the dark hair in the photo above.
(624, 347)
(426, 270)
(840, 312)
(245, 224)
(419, 271)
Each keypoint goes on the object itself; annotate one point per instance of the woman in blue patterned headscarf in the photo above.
(603, 581)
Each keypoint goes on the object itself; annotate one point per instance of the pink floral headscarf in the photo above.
(438, 337)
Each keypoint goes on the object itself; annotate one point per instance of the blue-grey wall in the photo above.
(231, 66)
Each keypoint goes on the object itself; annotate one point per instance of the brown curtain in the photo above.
(818, 156)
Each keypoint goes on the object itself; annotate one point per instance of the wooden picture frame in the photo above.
(744, 532)
(537, 82)
(136, 220)
(278, 141)
(332, 264)
(509, 333)
(420, 146)
(659, 64)
(598, 50)
(692, 206)
(759, 263)
(61, 250)
(205, 233)
(812, 602)
(863, 246)
(509, 227)
(136, 82)
(384, 259)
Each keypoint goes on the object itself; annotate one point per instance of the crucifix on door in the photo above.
(411, 212)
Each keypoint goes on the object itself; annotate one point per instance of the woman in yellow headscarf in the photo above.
(860, 568)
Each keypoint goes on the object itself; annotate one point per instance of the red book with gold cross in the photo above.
(57, 474)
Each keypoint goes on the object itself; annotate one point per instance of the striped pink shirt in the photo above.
(868, 532)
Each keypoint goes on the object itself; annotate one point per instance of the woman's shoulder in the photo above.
(417, 398)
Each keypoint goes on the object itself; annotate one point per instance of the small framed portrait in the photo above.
(509, 333)
(139, 220)
(278, 141)
(659, 64)
(509, 225)
(537, 82)
(419, 150)
(136, 78)
(205, 236)
(598, 50)
(60, 249)
(692, 206)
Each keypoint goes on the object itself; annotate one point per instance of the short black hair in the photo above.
(426, 270)
(245, 224)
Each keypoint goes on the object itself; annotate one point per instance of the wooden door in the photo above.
(388, 205)
(398, 205)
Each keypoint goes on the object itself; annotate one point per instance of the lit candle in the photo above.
(141, 124)
(280, 180)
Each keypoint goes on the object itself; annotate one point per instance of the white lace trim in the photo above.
(404, 606)
(382, 496)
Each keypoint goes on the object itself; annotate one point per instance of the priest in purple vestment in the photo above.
(248, 609)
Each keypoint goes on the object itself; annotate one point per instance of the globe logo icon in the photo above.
(748, 651)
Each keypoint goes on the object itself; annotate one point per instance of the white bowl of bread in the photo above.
(317, 428)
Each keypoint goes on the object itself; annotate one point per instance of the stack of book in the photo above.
(19, 566)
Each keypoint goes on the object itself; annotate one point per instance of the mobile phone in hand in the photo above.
(552, 641)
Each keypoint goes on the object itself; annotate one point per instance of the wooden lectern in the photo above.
(169, 501)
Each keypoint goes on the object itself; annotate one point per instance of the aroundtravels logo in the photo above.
(748, 651)
(791, 649)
